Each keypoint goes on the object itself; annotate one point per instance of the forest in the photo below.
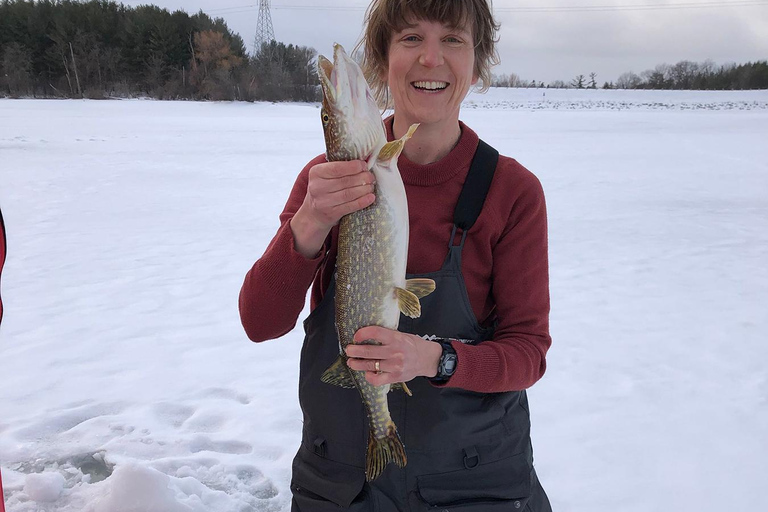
(103, 49)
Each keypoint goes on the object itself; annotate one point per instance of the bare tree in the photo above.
(628, 80)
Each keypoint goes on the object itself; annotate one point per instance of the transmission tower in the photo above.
(264, 31)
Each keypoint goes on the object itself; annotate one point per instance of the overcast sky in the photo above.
(542, 40)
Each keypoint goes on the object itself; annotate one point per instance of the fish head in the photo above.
(351, 118)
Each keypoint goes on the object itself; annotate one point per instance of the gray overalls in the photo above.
(467, 451)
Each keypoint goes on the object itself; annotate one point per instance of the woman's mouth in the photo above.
(430, 86)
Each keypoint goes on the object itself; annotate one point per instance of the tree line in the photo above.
(685, 75)
(100, 49)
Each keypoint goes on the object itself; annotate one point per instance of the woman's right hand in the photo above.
(334, 189)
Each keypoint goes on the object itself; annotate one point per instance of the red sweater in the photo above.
(504, 263)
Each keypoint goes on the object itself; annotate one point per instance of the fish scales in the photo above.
(371, 288)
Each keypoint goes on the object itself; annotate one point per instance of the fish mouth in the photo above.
(348, 100)
(343, 80)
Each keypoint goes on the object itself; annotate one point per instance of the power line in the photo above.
(545, 9)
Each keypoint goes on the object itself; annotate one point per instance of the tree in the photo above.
(285, 72)
(211, 66)
(578, 82)
(593, 80)
(15, 69)
(628, 80)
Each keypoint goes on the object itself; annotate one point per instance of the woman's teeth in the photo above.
(431, 86)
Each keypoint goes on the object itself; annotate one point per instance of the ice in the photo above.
(44, 487)
(128, 385)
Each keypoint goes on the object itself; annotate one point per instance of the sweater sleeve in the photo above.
(515, 358)
(275, 289)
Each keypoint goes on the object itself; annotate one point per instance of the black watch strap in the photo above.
(447, 364)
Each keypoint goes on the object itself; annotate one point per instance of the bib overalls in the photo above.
(467, 451)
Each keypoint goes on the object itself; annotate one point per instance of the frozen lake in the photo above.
(128, 385)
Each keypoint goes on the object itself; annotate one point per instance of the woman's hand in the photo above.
(334, 189)
(401, 356)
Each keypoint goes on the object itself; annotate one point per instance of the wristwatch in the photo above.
(447, 364)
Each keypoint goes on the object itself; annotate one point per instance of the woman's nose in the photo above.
(431, 54)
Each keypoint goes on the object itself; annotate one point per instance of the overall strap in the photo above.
(475, 190)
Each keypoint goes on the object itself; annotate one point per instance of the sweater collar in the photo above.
(444, 169)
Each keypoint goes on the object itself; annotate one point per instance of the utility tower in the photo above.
(264, 31)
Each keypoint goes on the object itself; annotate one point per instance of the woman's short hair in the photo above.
(385, 17)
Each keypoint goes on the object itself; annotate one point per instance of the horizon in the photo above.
(548, 43)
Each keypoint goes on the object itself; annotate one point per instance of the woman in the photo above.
(478, 228)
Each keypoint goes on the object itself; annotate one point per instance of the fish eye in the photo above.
(325, 118)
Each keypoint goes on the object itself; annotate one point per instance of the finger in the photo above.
(367, 351)
(379, 379)
(353, 206)
(346, 182)
(345, 195)
(372, 332)
(367, 365)
(339, 169)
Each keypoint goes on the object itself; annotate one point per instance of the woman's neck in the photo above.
(430, 142)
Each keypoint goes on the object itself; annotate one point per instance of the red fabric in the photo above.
(505, 266)
(2, 262)
(2, 499)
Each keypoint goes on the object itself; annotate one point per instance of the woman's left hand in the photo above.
(400, 356)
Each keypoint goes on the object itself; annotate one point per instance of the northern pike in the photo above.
(371, 288)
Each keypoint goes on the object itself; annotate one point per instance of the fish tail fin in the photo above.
(383, 451)
(392, 150)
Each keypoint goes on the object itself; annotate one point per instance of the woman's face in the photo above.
(430, 70)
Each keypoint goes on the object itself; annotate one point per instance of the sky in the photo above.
(542, 40)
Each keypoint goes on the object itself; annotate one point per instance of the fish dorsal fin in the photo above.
(401, 386)
(408, 303)
(420, 287)
(393, 149)
(338, 374)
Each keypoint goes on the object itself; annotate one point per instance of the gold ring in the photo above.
(376, 366)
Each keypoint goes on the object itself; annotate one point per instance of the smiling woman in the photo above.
(477, 229)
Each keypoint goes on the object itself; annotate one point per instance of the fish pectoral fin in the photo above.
(393, 149)
(420, 287)
(408, 303)
(338, 374)
(401, 386)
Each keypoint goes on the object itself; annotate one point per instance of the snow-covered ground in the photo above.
(128, 385)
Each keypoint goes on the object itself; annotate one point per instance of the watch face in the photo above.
(449, 364)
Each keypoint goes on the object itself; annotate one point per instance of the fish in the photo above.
(371, 288)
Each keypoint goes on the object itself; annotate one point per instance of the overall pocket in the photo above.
(499, 485)
(320, 484)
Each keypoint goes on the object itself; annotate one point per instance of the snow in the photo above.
(128, 385)
(44, 487)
